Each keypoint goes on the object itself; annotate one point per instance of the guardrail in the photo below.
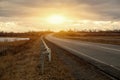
(45, 51)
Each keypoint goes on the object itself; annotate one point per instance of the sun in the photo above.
(56, 19)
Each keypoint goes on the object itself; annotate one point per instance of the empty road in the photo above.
(93, 52)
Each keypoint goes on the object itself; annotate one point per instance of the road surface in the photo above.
(102, 53)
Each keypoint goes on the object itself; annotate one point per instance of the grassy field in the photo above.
(22, 62)
(99, 37)
(13, 59)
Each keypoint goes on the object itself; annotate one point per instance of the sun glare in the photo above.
(56, 19)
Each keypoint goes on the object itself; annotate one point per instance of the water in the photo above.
(10, 39)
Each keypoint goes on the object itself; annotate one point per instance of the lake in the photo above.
(11, 39)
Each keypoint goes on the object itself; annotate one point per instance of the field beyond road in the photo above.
(97, 37)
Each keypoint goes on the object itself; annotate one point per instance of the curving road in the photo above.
(93, 52)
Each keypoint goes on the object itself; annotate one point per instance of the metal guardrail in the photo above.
(45, 51)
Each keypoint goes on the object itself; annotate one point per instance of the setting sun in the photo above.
(56, 19)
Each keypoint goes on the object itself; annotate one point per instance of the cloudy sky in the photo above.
(28, 15)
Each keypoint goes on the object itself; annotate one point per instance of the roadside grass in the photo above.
(14, 43)
(98, 37)
(14, 59)
(22, 62)
(56, 70)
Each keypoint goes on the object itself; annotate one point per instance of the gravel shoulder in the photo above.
(80, 69)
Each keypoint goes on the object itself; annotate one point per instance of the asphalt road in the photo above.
(103, 53)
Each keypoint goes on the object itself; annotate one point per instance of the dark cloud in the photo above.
(12, 13)
(37, 3)
(109, 9)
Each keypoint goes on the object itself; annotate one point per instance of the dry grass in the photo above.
(56, 70)
(18, 62)
(22, 62)
(107, 38)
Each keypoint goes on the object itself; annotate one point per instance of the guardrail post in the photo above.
(42, 62)
(49, 55)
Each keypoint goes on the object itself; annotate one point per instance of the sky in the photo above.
(31, 15)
